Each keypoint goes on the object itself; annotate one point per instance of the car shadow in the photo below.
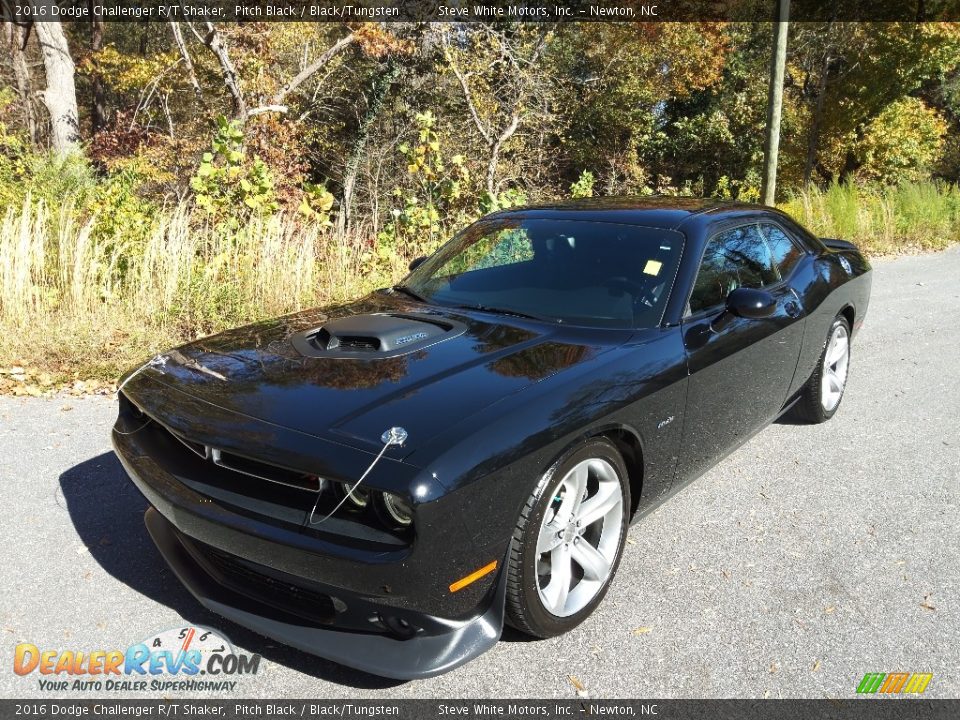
(107, 511)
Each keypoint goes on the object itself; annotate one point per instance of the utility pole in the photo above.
(778, 61)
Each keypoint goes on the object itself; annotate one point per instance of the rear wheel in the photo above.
(568, 541)
(823, 392)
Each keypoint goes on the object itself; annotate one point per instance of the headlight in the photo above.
(398, 509)
(357, 500)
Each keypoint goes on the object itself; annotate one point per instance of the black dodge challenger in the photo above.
(385, 483)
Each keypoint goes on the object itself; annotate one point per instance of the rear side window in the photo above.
(735, 258)
(786, 254)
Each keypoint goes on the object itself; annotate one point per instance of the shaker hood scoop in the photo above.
(377, 335)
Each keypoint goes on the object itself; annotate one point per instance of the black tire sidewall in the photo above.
(537, 619)
(814, 410)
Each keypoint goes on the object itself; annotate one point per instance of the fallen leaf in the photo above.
(642, 630)
(579, 686)
(829, 609)
(631, 541)
(773, 668)
(66, 408)
(926, 604)
(816, 666)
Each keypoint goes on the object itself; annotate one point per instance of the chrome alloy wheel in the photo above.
(579, 537)
(836, 361)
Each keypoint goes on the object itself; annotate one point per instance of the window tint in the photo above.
(587, 273)
(733, 259)
(506, 247)
(785, 252)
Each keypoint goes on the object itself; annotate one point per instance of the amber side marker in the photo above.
(473, 577)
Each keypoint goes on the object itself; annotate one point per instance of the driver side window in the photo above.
(734, 258)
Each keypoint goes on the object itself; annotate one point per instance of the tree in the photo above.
(618, 89)
(848, 74)
(60, 96)
(497, 72)
(778, 61)
(16, 38)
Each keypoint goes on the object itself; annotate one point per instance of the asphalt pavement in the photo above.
(812, 555)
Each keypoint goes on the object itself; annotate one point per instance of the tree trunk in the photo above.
(16, 38)
(813, 137)
(187, 60)
(60, 97)
(494, 160)
(378, 95)
(98, 109)
(778, 60)
(214, 41)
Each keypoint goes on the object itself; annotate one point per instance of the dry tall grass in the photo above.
(882, 221)
(72, 303)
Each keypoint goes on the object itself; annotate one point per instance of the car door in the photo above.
(740, 368)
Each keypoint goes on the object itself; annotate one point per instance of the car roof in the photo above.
(657, 211)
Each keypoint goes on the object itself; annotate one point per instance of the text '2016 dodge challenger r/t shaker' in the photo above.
(385, 483)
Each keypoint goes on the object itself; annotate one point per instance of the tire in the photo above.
(816, 403)
(551, 592)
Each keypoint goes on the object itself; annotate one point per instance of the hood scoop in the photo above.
(374, 336)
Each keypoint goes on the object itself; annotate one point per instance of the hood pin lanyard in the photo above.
(393, 436)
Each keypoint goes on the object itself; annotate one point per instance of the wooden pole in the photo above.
(778, 61)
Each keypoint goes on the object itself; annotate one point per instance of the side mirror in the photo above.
(417, 262)
(751, 303)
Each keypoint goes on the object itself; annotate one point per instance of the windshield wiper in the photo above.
(408, 292)
(508, 311)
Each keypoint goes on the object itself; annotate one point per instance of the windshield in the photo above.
(572, 271)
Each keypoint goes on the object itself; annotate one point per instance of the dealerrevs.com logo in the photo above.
(188, 659)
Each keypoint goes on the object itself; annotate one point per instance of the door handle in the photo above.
(793, 309)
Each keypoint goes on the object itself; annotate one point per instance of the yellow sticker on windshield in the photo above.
(652, 267)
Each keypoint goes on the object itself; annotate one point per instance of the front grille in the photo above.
(265, 471)
(271, 587)
(234, 573)
(248, 466)
(196, 448)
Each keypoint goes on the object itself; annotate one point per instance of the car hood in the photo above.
(269, 371)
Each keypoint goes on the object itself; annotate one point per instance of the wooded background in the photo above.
(164, 180)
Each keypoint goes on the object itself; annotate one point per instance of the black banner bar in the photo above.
(864, 708)
(25, 11)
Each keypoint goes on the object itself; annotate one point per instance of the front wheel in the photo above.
(568, 541)
(823, 392)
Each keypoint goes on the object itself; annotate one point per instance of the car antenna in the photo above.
(394, 436)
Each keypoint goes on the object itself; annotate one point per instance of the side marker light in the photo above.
(473, 577)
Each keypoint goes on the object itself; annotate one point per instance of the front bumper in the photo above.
(439, 646)
(377, 612)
